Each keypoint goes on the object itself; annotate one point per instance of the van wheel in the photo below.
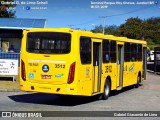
(138, 81)
(107, 89)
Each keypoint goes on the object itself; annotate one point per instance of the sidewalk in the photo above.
(7, 84)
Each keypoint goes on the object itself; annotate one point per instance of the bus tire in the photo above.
(138, 81)
(107, 89)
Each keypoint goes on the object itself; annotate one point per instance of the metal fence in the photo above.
(15, 56)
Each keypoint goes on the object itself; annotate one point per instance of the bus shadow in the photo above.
(125, 89)
(50, 99)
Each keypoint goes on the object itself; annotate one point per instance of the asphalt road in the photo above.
(145, 98)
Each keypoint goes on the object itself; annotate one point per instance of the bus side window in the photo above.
(139, 52)
(127, 52)
(85, 50)
(106, 55)
(113, 51)
(133, 52)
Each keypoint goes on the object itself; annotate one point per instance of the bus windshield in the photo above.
(48, 42)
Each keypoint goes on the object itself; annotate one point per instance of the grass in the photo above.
(6, 82)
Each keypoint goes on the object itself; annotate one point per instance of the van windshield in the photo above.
(48, 42)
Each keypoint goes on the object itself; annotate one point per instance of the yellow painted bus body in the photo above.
(49, 73)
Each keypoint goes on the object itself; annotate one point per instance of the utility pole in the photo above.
(104, 22)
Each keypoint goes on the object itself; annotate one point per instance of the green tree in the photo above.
(152, 30)
(6, 11)
(113, 30)
(133, 28)
(150, 43)
(98, 29)
(108, 30)
(148, 29)
(136, 28)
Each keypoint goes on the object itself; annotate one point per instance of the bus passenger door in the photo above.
(96, 66)
(120, 64)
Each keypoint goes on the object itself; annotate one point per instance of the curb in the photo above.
(9, 90)
(150, 71)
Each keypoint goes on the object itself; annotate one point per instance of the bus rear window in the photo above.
(48, 42)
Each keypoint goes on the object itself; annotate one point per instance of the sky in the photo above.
(86, 14)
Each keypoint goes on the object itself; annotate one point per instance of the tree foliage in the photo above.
(133, 28)
(6, 9)
(113, 29)
(136, 28)
(152, 29)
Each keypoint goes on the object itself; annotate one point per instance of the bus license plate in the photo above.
(46, 76)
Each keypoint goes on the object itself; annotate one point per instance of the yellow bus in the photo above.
(73, 62)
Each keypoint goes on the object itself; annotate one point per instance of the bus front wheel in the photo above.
(107, 88)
